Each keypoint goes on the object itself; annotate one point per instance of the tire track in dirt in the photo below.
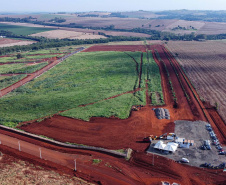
(195, 96)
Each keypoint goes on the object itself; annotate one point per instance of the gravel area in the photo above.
(193, 131)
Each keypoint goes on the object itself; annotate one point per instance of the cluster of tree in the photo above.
(194, 15)
(58, 20)
(118, 15)
(54, 43)
(88, 15)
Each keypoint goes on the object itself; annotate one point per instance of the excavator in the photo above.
(151, 137)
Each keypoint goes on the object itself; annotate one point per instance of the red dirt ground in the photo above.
(116, 48)
(101, 131)
(139, 170)
(115, 133)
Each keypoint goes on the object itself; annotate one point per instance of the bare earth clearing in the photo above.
(62, 34)
(204, 63)
(15, 171)
(11, 42)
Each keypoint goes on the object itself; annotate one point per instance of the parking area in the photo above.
(193, 131)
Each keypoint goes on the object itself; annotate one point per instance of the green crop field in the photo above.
(6, 81)
(152, 74)
(22, 30)
(81, 79)
(21, 68)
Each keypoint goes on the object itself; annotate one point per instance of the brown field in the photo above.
(79, 32)
(213, 28)
(204, 63)
(4, 42)
(62, 34)
(196, 24)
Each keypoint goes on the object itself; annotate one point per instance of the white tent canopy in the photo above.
(172, 147)
(160, 145)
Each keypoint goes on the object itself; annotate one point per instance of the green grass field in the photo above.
(6, 81)
(81, 79)
(152, 74)
(21, 68)
(22, 30)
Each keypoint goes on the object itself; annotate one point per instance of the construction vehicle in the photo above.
(150, 138)
(163, 136)
(136, 107)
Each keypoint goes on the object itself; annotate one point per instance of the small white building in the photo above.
(172, 147)
(160, 145)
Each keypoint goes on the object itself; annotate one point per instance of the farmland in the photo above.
(52, 92)
(22, 30)
(61, 34)
(87, 99)
(21, 68)
(12, 42)
(204, 63)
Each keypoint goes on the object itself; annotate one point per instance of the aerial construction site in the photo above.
(166, 133)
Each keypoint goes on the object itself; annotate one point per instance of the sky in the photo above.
(108, 5)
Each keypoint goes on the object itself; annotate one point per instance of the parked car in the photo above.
(184, 160)
(216, 142)
(219, 147)
(208, 147)
(222, 153)
(203, 147)
(222, 165)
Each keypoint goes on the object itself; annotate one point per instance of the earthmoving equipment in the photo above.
(136, 107)
(150, 138)
(163, 136)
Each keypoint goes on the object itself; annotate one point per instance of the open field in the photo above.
(52, 92)
(22, 30)
(21, 68)
(62, 34)
(204, 63)
(77, 31)
(6, 81)
(12, 42)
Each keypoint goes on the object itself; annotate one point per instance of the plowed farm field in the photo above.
(205, 65)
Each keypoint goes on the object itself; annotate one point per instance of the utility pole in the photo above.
(19, 145)
(75, 165)
(40, 152)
